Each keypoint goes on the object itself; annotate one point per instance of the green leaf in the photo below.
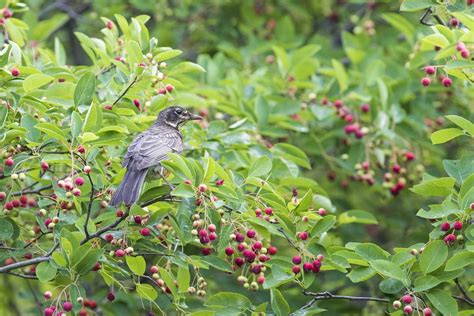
(277, 277)
(323, 225)
(370, 251)
(45, 272)
(357, 216)
(172, 53)
(436, 40)
(400, 23)
(459, 260)
(305, 202)
(260, 167)
(76, 124)
(340, 74)
(415, 5)
(443, 302)
(361, 274)
(134, 53)
(435, 187)
(218, 263)
(147, 292)
(229, 299)
(433, 257)
(389, 269)
(59, 52)
(462, 123)
(444, 135)
(93, 120)
(6, 229)
(293, 154)
(169, 280)
(184, 277)
(52, 131)
(391, 286)
(35, 81)
(85, 89)
(279, 305)
(283, 61)
(136, 264)
(425, 282)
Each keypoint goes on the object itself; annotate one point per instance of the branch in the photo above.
(328, 296)
(25, 263)
(158, 199)
(465, 297)
(32, 191)
(89, 207)
(125, 91)
(23, 276)
(105, 229)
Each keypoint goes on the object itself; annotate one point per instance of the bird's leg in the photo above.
(172, 187)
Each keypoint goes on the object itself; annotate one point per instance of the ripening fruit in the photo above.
(15, 72)
(427, 312)
(272, 250)
(119, 253)
(211, 228)
(268, 211)
(119, 213)
(47, 295)
(396, 304)
(9, 162)
(87, 169)
(365, 108)
(81, 149)
(449, 239)
(109, 25)
(338, 104)
(296, 269)
(7, 13)
(169, 88)
(445, 226)
(303, 235)
(76, 191)
(44, 165)
(457, 225)
(454, 22)
(145, 232)
(79, 181)
(111, 296)
(202, 188)
(465, 53)
(408, 310)
(67, 306)
(136, 102)
(48, 311)
(296, 260)
(407, 299)
(251, 233)
(447, 82)
(307, 266)
(229, 251)
(260, 279)
(410, 156)
(425, 81)
(3, 195)
(430, 70)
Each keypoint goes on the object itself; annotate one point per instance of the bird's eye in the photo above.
(179, 112)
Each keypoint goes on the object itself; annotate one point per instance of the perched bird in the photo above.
(148, 149)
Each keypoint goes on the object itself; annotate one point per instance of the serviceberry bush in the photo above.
(283, 201)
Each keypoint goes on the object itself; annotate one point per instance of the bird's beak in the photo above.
(194, 117)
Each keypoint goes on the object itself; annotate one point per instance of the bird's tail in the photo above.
(129, 190)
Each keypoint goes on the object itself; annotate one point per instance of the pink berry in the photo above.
(136, 102)
(260, 279)
(427, 312)
(408, 309)
(79, 181)
(229, 251)
(239, 237)
(430, 70)
(202, 188)
(425, 81)
(3, 195)
(445, 226)
(272, 250)
(296, 269)
(410, 156)
(457, 225)
(108, 107)
(145, 232)
(67, 306)
(109, 237)
(251, 233)
(465, 53)
(396, 304)
(87, 169)
(454, 22)
(44, 165)
(449, 239)
(48, 311)
(119, 253)
(188, 182)
(460, 46)
(239, 261)
(303, 235)
(137, 219)
(220, 182)
(396, 168)
(109, 25)
(76, 191)
(9, 162)
(338, 104)
(308, 266)
(212, 236)
(296, 260)
(447, 82)
(365, 108)
(268, 211)
(169, 88)
(206, 251)
(257, 246)
(15, 72)
(407, 299)
(211, 228)
(47, 295)
(81, 149)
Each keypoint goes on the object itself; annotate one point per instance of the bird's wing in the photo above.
(151, 147)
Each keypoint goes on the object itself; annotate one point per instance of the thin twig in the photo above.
(89, 207)
(32, 191)
(105, 229)
(467, 299)
(125, 91)
(328, 296)
(29, 262)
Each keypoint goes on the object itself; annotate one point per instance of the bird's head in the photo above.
(175, 116)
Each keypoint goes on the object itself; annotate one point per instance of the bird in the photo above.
(148, 149)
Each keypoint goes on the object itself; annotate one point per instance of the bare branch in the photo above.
(465, 296)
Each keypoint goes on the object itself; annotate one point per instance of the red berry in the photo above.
(3, 195)
(137, 219)
(23, 199)
(257, 246)
(108, 107)
(449, 239)
(119, 213)
(407, 299)
(206, 251)
(338, 104)
(16, 203)
(44, 165)
(268, 211)
(189, 182)
(81, 149)
(465, 53)
(447, 82)
(229, 251)
(396, 168)
(430, 70)
(202, 188)
(109, 237)
(119, 253)
(445, 226)
(79, 181)
(7, 13)
(457, 225)
(454, 22)
(296, 269)
(15, 72)
(220, 182)
(322, 211)
(111, 296)
(251, 233)
(241, 247)
(9, 162)
(136, 102)
(308, 266)
(211, 228)
(169, 88)
(408, 309)
(260, 279)
(427, 312)
(296, 260)
(212, 236)
(303, 235)
(425, 81)
(67, 306)
(272, 250)
(109, 25)
(239, 237)
(460, 46)
(410, 156)
(76, 191)
(470, 2)
(145, 232)
(48, 311)
(365, 108)
(239, 261)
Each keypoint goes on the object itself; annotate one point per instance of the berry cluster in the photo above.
(451, 238)
(408, 309)
(310, 265)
